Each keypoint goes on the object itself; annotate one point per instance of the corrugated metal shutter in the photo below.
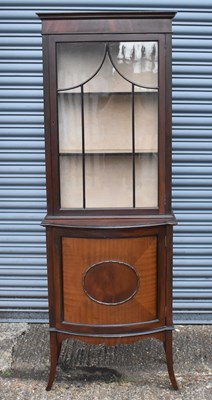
(192, 163)
(22, 171)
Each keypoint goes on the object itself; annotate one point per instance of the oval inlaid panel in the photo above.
(111, 282)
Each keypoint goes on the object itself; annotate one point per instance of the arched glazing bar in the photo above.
(126, 54)
(82, 60)
(135, 59)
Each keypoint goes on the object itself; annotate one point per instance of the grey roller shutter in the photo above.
(23, 292)
(23, 282)
(192, 164)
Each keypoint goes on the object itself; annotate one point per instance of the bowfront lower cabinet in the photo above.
(107, 79)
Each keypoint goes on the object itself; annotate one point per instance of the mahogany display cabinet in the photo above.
(107, 79)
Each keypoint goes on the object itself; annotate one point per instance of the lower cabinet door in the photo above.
(111, 285)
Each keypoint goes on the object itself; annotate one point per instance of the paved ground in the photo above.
(87, 372)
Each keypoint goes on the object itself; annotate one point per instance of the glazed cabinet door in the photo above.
(108, 124)
(108, 139)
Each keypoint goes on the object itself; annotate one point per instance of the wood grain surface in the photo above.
(79, 254)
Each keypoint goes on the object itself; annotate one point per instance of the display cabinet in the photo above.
(107, 79)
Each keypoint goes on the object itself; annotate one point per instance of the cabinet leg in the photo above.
(55, 348)
(169, 358)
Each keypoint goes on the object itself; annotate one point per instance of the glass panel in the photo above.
(146, 180)
(108, 181)
(108, 123)
(71, 182)
(136, 62)
(108, 126)
(107, 80)
(78, 62)
(146, 122)
(70, 123)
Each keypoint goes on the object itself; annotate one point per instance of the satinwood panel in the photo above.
(78, 257)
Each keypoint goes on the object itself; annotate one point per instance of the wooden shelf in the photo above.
(108, 153)
(77, 91)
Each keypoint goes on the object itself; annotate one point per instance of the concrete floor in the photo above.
(88, 372)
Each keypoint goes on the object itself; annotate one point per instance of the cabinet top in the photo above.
(107, 22)
(107, 14)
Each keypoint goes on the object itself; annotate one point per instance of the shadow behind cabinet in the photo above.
(107, 79)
